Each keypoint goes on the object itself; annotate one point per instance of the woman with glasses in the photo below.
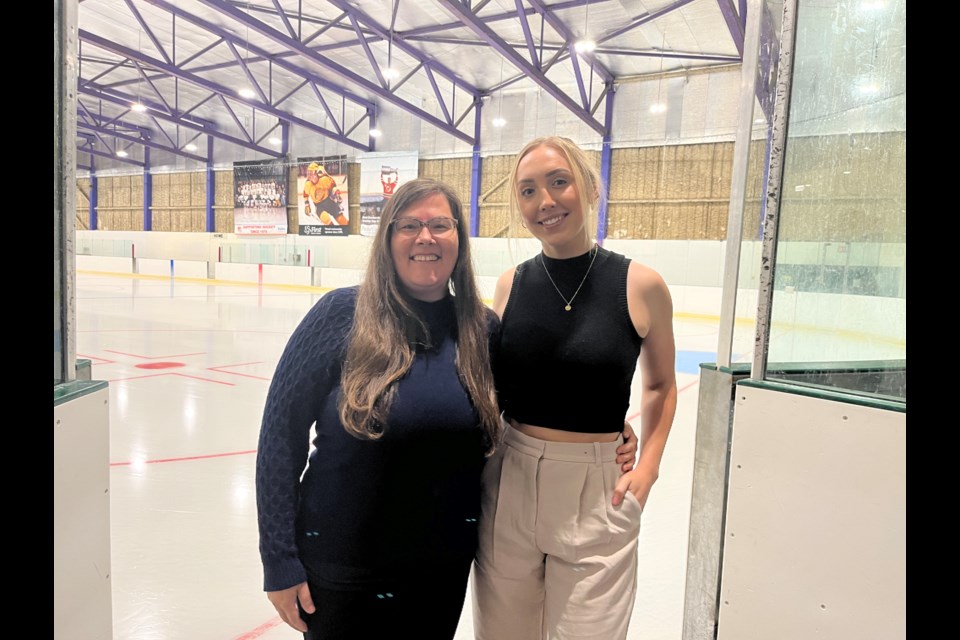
(372, 533)
(557, 557)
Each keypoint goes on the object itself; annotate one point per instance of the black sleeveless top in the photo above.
(569, 370)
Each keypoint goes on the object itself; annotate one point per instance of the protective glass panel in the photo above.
(839, 301)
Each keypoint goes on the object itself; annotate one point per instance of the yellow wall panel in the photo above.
(669, 192)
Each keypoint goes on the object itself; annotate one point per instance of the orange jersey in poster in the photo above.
(319, 191)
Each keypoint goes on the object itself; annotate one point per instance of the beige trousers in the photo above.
(556, 560)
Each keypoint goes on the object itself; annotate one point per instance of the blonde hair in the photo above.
(386, 325)
(584, 174)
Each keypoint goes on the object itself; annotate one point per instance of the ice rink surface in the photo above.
(188, 365)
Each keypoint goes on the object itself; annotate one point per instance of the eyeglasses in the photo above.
(412, 226)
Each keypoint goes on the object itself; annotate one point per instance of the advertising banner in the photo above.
(380, 175)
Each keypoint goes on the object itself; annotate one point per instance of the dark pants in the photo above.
(427, 609)
(328, 205)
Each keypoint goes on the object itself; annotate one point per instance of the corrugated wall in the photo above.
(179, 202)
(120, 203)
(677, 192)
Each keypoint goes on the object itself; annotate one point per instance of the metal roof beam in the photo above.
(247, 73)
(99, 120)
(260, 54)
(114, 97)
(670, 55)
(561, 28)
(103, 154)
(477, 26)
(434, 65)
(368, 52)
(644, 19)
(148, 30)
(340, 70)
(431, 67)
(527, 35)
(216, 88)
(142, 141)
(152, 86)
(511, 15)
(285, 19)
(734, 24)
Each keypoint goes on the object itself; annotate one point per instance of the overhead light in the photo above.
(375, 133)
(499, 122)
(122, 154)
(868, 87)
(138, 107)
(247, 93)
(658, 106)
(274, 140)
(759, 121)
(190, 147)
(390, 73)
(584, 46)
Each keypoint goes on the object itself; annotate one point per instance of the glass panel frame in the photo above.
(833, 277)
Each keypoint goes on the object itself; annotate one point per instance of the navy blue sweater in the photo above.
(366, 512)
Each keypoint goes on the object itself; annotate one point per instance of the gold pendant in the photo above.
(567, 308)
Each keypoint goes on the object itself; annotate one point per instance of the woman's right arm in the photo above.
(308, 370)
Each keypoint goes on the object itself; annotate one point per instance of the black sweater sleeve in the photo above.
(308, 370)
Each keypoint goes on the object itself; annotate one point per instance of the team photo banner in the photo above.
(260, 197)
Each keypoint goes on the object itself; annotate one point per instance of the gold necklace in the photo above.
(569, 302)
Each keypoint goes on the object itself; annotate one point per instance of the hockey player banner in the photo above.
(322, 187)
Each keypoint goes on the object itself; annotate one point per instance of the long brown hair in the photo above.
(380, 350)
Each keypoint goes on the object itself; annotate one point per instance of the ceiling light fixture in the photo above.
(247, 92)
(499, 121)
(122, 154)
(190, 147)
(375, 133)
(390, 73)
(585, 44)
(138, 106)
(274, 140)
(658, 106)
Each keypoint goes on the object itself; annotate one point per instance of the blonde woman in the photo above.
(557, 553)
